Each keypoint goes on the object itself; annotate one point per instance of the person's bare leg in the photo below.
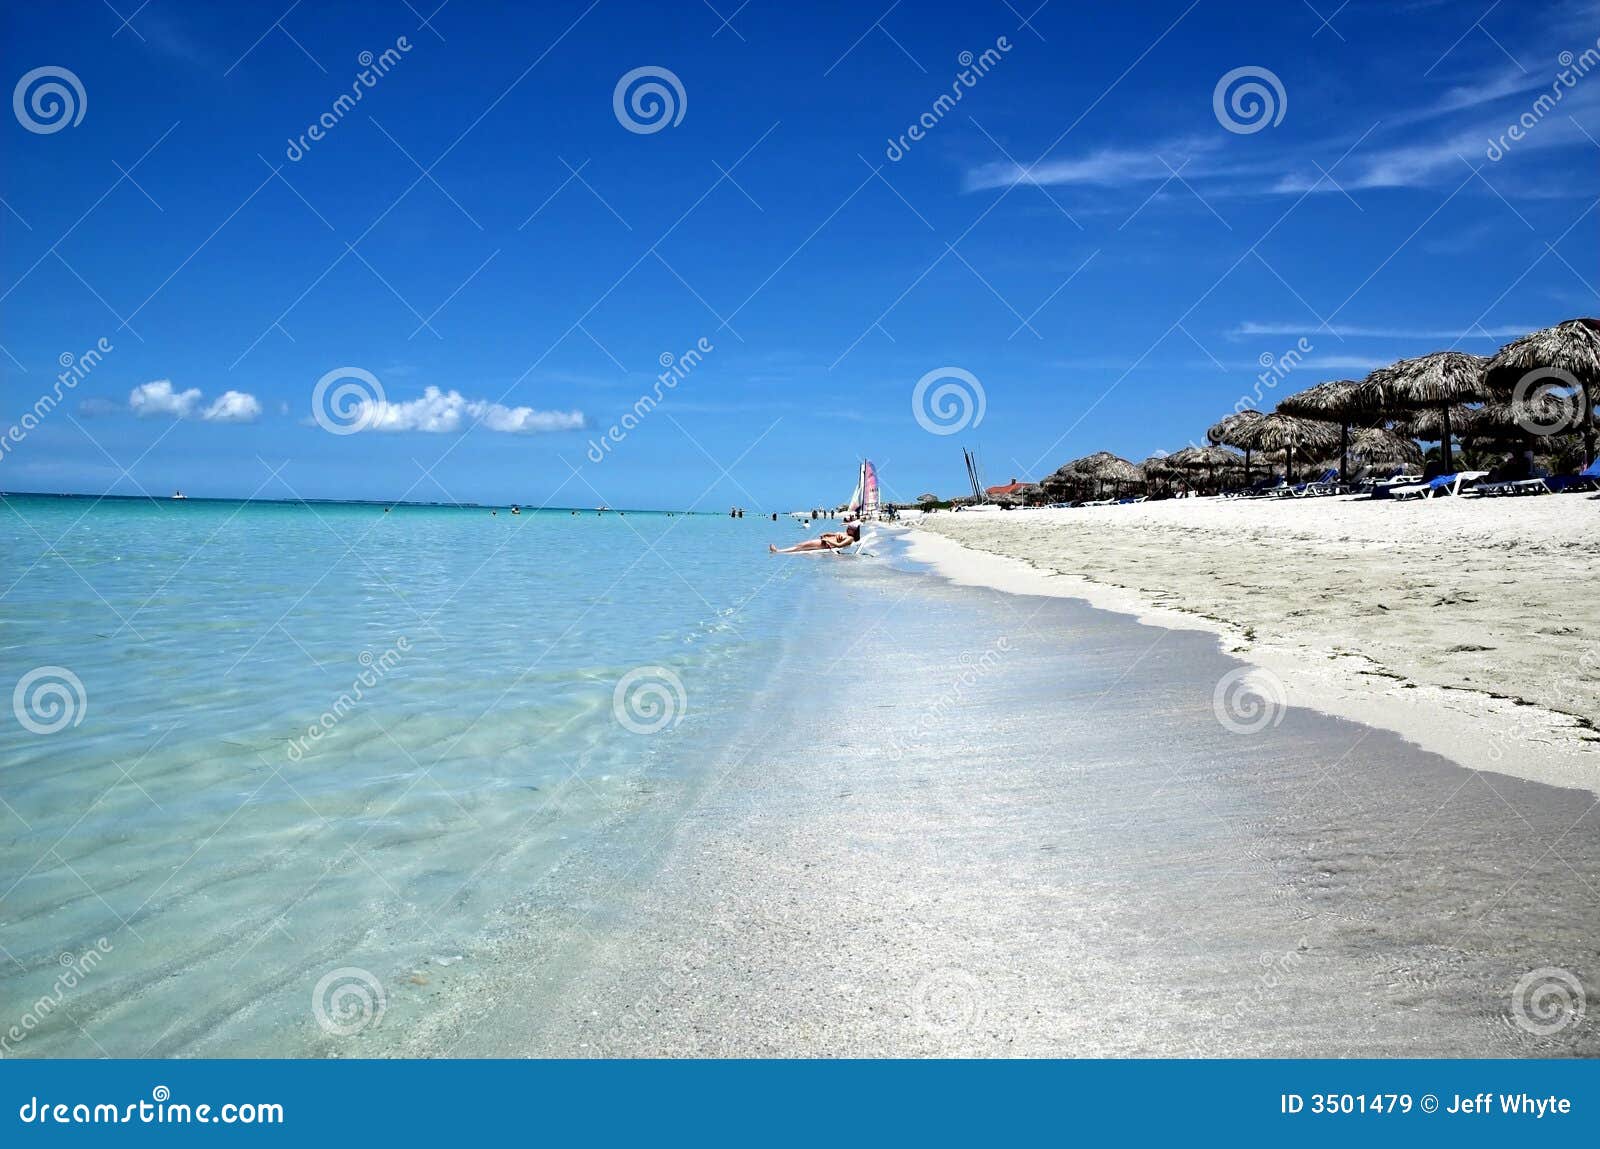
(808, 545)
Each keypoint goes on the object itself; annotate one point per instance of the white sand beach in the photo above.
(1470, 626)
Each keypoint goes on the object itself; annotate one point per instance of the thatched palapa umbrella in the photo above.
(1513, 419)
(1377, 447)
(1208, 459)
(1277, 432)
(1234, 431)
(1429, 423)
(1103, 467)
(1441, 380)
(1571, 348)
(1341, 401)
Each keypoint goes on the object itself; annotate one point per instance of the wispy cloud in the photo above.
(1358, 331)
(1435, 142)
(1105, 167)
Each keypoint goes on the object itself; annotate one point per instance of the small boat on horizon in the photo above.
(179, 495)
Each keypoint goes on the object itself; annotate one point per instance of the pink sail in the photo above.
(869, 490)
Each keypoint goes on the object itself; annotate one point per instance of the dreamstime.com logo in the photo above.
(1548, 401)
(160, 1109)
(947, 1002)
(373, 669)
(48, 99)
(347, 1000)
(648, 699)
(347, 400)
(676, 368)
(1547, 1000)
(1248, 99)
(1249, 699)
(1573, 69)
(648, 99)
(75, 369)
(973, 69)
(48, 699)
(956, 403)
(373, 69)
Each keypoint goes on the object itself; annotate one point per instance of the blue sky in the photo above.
(1104, 243)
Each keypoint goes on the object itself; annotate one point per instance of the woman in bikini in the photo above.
(830, 541)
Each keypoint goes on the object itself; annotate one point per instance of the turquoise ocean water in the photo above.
(175, 838)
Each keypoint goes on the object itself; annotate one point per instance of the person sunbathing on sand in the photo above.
(830, 541)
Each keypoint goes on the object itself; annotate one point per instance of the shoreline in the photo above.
(997, 872)
(1479, 729)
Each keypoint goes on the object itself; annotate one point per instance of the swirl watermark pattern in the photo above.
(348, 1000)
(48, 99)
(347, 400)
(1547, 1000)
(1548, 401)
(48, 699)
(956, 403)
(648, 99)
(648, 699)
(1248, 99)
(947, 1002)
(1249, 699)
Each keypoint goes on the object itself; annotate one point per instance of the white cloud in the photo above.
(233, 407)
(158, 398)
(446, 411)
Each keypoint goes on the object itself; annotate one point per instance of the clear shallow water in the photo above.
(461, 669)
(897, 816)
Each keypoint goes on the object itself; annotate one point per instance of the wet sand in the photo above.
(961, 822)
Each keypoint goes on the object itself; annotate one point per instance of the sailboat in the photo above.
(864, 506)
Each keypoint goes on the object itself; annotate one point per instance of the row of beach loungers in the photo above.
(1398, 487)
(1415, 487)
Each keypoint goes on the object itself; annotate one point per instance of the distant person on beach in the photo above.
(829, 541)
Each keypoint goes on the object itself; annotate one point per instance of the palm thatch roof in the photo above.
(1570, 349)
(1379, 448)
(1278, 432)
(1441, 380)
(1333, 401)
(1536, 414)
(1104, 467)
(1428, 424)
(927, 497)
(1572, 346)
(1444, 377)
(1204, 458)
(1234, 428)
